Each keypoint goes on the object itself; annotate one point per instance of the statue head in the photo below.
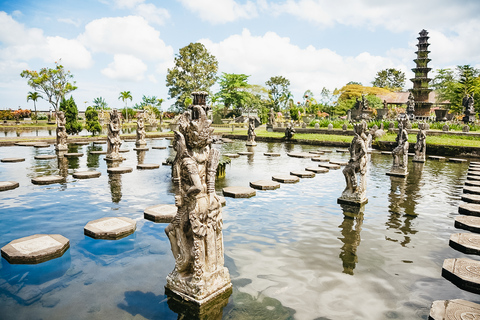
(195, 127)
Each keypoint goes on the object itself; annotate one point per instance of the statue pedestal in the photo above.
(352, 201)
(269, 128)
(251, 143)
(140, 143)
(398, 172)
(61, 147)
(419, 158)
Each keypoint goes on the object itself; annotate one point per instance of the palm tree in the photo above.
(100, 104)
(124, 96)
(34, 96)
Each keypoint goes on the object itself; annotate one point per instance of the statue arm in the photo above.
(213, 159)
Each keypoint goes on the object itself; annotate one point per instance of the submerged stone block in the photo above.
(35, 249)
(110, 228)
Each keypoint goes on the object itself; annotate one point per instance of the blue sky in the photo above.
(116, 45)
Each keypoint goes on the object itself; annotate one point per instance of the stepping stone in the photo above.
(165, 163)
(8, 185)
(300, 155)
(340, 163)
(471, 198)
(227, 140)
(170, 146)
(141, 149)
(45, 157)
(159, 148)
(316, 152)
(454, 310)
(474, 166)
(73, 154)
(130, 140)
(147, 166)
(169, 138)
(99, 142)
(123, 150)
(438, 158)
(271, 154)
(158, 138)
(468, 243)
(120, 170)
(30, 144)
(473, 172)
(286, 178)
(321, 159)
(472, 209)
(48, 180)
(457, 160)
(245, 153)
(342, 151)
(473, 178)
(386, 152)
(472, 183)
(13, 159)
(475, 163)
(303, 174)
(463, 272)
(86, 174)
(472, 190)
(329, 166)
(317, 169)
(326, 151)
(98, 152)
(160, 213)
(41, 145)
(411, 154)
(239, 192)
(232, 155)
(265, 185)
(35, 249)
(110, 228)
(470, 223)
(82, 143)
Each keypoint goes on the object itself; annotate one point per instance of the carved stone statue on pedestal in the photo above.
(289, 131)
(355, 192)
(195, 233)
(113, 139)
(140, 131)
(61, 132)
(421, 145)
(469, 109)
(400, 153)
(251, 132)
(410, 107)
(271, 120)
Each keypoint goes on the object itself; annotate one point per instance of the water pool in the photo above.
(291, 252)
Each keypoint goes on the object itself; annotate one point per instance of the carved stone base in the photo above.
(398, 172)
(418, 159)
(251, 143)
(61, 147)
(110, 158)
(353, 200)
(140, 143)
(269, 128)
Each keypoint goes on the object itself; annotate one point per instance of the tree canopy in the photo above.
(100, 104)
(91, 121)
(278, 91)
(72, 125)
(34, 96)
(233, 90)
(391, 79)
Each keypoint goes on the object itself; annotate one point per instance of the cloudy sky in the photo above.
(127, 45)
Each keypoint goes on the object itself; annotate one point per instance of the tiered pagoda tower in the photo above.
(420, 82)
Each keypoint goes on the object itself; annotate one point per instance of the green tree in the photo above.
(195, 70)
(278, 88)
(72, 125)
(34, 96)
(54, 83)
(124, 96)
(391, 79)
(233, 90)
(91, 121)
(100, 104)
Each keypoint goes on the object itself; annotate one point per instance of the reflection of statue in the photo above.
(61, 132)
(410, 107)
(63, 164)
(289, 131)
(356, 189)
(196, 232)
(400, 153)
(113, 139)
(350, 229)
(469, 109)
(251, 132)
(141, 156)
(140, 131)
(421, 145)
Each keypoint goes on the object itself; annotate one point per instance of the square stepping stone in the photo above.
(330, 166)
(12, 160)
(35, 249)
(8, 185)
(265, 185)
(147, 166)
(286, 178)
(471, 209)
(471, 198)
(317, 169)
(454, 309)
(48, 180)
(239, 192)
(86, 174)
(303, 174)
(463, 272)
(110, 228)
(470, 223)
(468, 243)
(119, 170)
(160, 213)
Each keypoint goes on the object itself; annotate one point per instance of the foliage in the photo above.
(278, 92)
(354, 91)
(100, 104)
(6, 114)
(54, 83)
(21, 113)
(92, 124)
(232, 90)
(169, 115)
(72, 125)
(195, 70)
(391, 79)
(152, 101)
(128, 111)
(34, 96)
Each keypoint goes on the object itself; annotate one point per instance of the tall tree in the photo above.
(34, 96)
(54, 83)
(391, 79)
(233, 90)
(124, 96)
(91, 121)
(72, 125)
(100, 104)
(195, 70)
(278, 88)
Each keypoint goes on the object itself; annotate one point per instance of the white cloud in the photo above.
(75, 22)
(218, 12)
(128, 4)
(152, 14)
(72, 52)
(125, 68)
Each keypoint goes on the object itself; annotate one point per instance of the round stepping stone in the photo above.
(286, 178)
(340, 163)
(82, 143)
(471, 198)
(271, 154)
(265, 185)
(470, 223)
(35, 249)
(99, 142)
(342, 151)
(472, 209)
(41, 145)
(147, 166)
(300, 155)
(141, 149)
(110, 228)
(438, 158)
(8, 185)
(472, 183)
(463, 272)
(120, 170)
(316, 152)
(320, 159)
(329, 166)
(232, 155)
(239, 192)
(98, 152)
(303, 174)
(472, 190)
(454, 310)
(48, 180)
(227, 140)
(386, 152)
(26, 143)
(160, 213)
(159, 148)
(245, 153)
(123, 150)
(86, 174)
(13, 159)
(317, 169)
(45, 157)
(468, 243)
(73, 155)
(457, 160)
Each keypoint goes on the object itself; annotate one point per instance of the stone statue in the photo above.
(271, 117)
(356, 189)
(421, 145)
(195, 233)
(400, 153)
(469, 109)
(251, 132)
(140, 131)
(61, 132)
(113, 139)
(289, 131)
(365, 105)
(410, 107)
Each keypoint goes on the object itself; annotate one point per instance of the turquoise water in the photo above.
(291, 252)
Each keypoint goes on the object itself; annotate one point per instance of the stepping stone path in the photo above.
(472, 190)
(26, 143)
(468, 243)
(471, 209)
(147, 166)
(160, 213)
(316, 152)
(329, 166)
(120, 170)
(45, 157)
(303, 174)
(463, 272)
(245, 153)
(454, 310)
(98, 152)
(457, 160)
(141, 149)
(470, 223)
(386, 152)
(473, 178)
(472, 183)
(227, 140)
(13, 159)
(437, 158)
(239, 192)
(317, 169)
(86, 174)
(41, 145)
(340, 163)
(286, 178)
(326, 151)
(35, 249)
(301, 155)
(265, 185)
(271, 154)
(110, 228)
(48, 180)
(471, 198)
(159, 148)
(82, 143)
(232, 155)
(99, 142)
(8, 185)
(123, 150)
(321, 159)
(342, 151)
(73, 155)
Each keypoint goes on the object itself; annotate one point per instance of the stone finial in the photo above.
(199, 98)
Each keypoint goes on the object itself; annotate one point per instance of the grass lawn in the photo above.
(460, 141)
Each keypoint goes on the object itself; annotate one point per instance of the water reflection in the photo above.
(250, 156)
(93, 159)
(350, 228)
(63, 163)
(288, 146)
(115, 182)
(141, 156)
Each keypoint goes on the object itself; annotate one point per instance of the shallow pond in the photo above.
(291, 252)
(50, 132)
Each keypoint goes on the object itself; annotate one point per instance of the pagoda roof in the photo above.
(402, 98)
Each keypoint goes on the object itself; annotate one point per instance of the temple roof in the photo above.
(402, 98)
